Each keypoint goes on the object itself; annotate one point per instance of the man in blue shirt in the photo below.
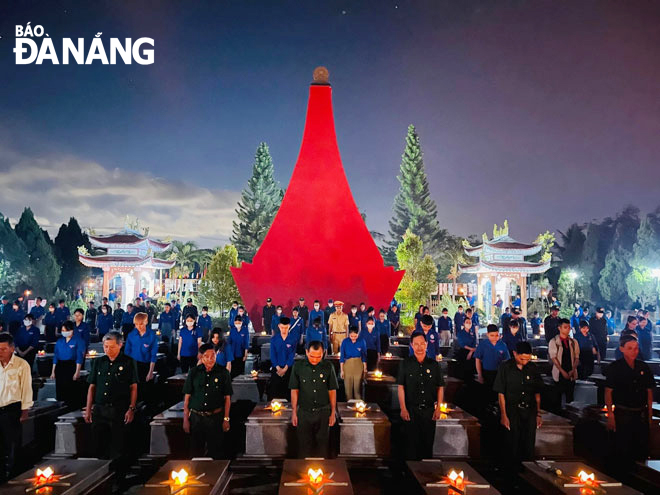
(504, 319)
(488, 356)
(275, 321)
(166, 323)
(205, 324)
(394, 317)
(327, 311)
(127, 321)
(176, 313)
(81, 328)
(316, 333)
(38, 310)
(104, 321)
(142, 346)
(317, 312)
(297, 328)
(514, 336)
(432, 338)
(475, 320)
(383, 329)
(15, 318)
(445, 326)
(459, 318)
(645, 338)
(233, 312)
(535, 322)
(522, 323)
(282, 353)
(26, 340)
(467, 344)
(239, 338)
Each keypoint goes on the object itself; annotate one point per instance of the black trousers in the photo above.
(586, 366)
(49, 332)
(145, 388)
(419, 434)
(278, 387)
(567, 388)
(631, 437)
(384, 343)
(237, 367)
(521, 438)
(109, 432)
(10, 438)
(29, 357)
(313, 432)
(188, 362)
(372, 359)
(206, 435)
(65, 388)
(602, 347)
(126, 328)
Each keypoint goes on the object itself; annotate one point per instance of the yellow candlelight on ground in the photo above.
(180, 477)
(315, 475)
(378, 374)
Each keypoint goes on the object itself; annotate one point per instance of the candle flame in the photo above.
(378, 374)
(443, 407)
(586, 477)
(263, 332)
(42, 353)
(44, 475)
(315, 475)
(400, 334)
(388, 354)
(275, 406)
(254, 372)
(93, 352)
(455, 477)
(360, 406)
(395, 342)
(180, 477)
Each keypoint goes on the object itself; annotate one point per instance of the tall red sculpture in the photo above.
(318, 246)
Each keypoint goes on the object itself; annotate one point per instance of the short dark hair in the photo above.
(371, 319)
(317, 320)
(205, 347)
(315, 345)
(514, 323)
(205, 308)
(631, 318)
(7, 337)
(238, 318)
(353, 329)
(445, 310)
(370, 309)
(564, 321)
(168, 304)
(584, 323)
(417, 333)
(627, 338)
(79, 310)
(62, 301)
(285, 320)
(427, 320)
(68, 324)
(523, 348)
(460, 306)
(492, 328)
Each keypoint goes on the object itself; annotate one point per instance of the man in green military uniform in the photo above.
(518, 386)
(629, 400)
(206, 402)
(420, 385)
(111, 398)
(313, 387)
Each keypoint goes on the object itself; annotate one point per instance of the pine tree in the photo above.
(612, 282)
(259, 203)
(14, 260)
(67, 241)
(45, 271)
(413, 207)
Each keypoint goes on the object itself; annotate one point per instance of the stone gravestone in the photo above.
(269, 433)
(363, 434)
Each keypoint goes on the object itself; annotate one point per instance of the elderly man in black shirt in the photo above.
(629, 386)
(518, 385)
(420, 385)
(206, 403)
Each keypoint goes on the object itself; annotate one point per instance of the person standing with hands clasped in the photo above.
(206, 402)
(313, 387)
(420, 385)
(564, 352)
(518, 386)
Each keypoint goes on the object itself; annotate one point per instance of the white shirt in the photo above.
(16, 383)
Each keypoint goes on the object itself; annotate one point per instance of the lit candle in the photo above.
(263, 332)
(92, 352)
(400, 334)
(439, 357)
(42, 353)
(42, 476)
(378, 374)
(180, 477)
(456, 479)
(275, 406)
(388, 354)
(586, 477)
(360, 406)
(443, 407)
(396, 342)
(254, 373)
(315, 475)
(537, 337)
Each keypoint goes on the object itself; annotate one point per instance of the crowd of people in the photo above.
(500, 358)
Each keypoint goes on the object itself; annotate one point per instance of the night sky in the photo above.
(545, 113)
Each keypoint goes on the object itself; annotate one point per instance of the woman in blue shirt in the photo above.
(26, 340)
(297, 328)
(353, 363)
(239, 337)
(189, 341)
(50, 324)
(104, 321)
(223, 354)
(588, 350)
(80, 327)
(316, 332)
(372, 340)
(383, 329)
(645, 337)
(204, 323)
(67, 363)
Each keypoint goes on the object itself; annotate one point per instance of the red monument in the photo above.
(318, 246)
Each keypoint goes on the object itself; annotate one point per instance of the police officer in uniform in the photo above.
(188, 310)
(303, 311)
(206, 403)
(518, 385)
(111, 398)
(313, 387)
(338, 326)
(267, 314)
(420, 385)
(629, 386)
